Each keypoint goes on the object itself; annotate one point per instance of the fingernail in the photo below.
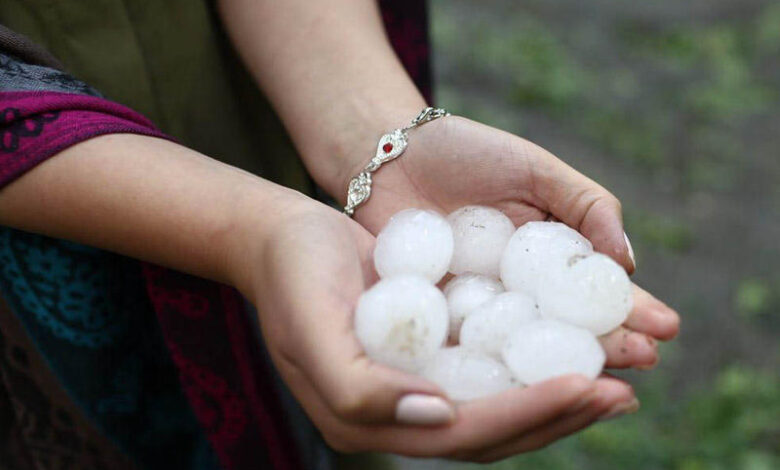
(650, 366)
(623, 408)
(630, 249)
(423, 410)
(653, 345)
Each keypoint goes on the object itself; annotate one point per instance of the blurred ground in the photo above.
(675, 107)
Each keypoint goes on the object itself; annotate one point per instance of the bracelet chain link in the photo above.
(390, 147)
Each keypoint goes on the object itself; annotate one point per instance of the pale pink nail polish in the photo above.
(426, 410)
(630, 250)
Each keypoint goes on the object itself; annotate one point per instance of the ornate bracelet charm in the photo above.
(390, 147)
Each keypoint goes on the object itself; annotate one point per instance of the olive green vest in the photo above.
(171, 61)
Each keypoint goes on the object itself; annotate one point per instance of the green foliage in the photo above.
(708, 82)
(755, 296)
(730, 423)
(544, 75)
(681, 106)
(729, 89)
(658, 231)
(532, 60)
(639, 139)
(768, 31)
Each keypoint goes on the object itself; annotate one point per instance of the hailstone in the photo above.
(402, 321)
(414, 241)
(489, 325)
(539, 250)
(466, 375)
(544, 349)
(593, 293)
(465, 293)
(481, 234)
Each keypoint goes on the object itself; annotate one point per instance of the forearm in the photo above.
(331, 74)
(146, 198)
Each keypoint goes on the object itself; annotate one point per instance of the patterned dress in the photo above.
(107, 362)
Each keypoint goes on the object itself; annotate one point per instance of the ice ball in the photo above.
(544, 349)
(465, 293)
(481, 234)
(466, 375)
(402, 321)
(487, 328)
(538, 250)
(414, 241)
(593, 293)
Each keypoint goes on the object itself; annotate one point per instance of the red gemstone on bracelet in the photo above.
(388, 147)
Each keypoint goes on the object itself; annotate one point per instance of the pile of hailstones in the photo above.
(524, 306)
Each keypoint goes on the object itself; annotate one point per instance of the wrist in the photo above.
(262, 209)
(352, 141)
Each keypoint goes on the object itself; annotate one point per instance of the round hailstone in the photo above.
(481, 234)
(537, 250)
(465, 293)
(402, 322)
(489, 325)
(544, 349)
(414, 242)
(593, 293)
(466, 374)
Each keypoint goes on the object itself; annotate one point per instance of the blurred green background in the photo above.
(675, 107)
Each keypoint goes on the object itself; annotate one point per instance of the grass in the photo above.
(662, 101)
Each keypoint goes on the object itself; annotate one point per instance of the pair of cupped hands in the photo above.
(318, 261)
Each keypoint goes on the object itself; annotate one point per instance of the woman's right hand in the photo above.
(308, 274)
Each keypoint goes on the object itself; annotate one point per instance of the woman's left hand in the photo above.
(452, 162)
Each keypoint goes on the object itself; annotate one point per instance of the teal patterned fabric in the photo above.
(88, 314)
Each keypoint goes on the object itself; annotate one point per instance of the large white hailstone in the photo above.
(538, 250)
(402, 321)
(414, 241)
(465, 293)
(489, 325)
(545, 349)
(466, 375)
(481, 234)
(593, 293)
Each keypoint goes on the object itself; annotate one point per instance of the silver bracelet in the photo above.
(390, 147)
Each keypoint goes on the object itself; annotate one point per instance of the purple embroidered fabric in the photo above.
(219, 365)
(36, 125)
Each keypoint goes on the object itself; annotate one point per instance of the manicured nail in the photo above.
(630, 250)
(426, 410)
(623, 408)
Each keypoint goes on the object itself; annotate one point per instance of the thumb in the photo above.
(373, 393)
(357, 389)
(362, 391)
(583, 204)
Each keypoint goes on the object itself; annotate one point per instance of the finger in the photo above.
(652, 317)
(584, 205)
(489, 421)
(500, 417)
(359, 390)
(611, 393)
(352, 386)
(626, 348)
(479, 424)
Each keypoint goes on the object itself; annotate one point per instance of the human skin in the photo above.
(350, 88)
(336, 83)
(304, 266)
